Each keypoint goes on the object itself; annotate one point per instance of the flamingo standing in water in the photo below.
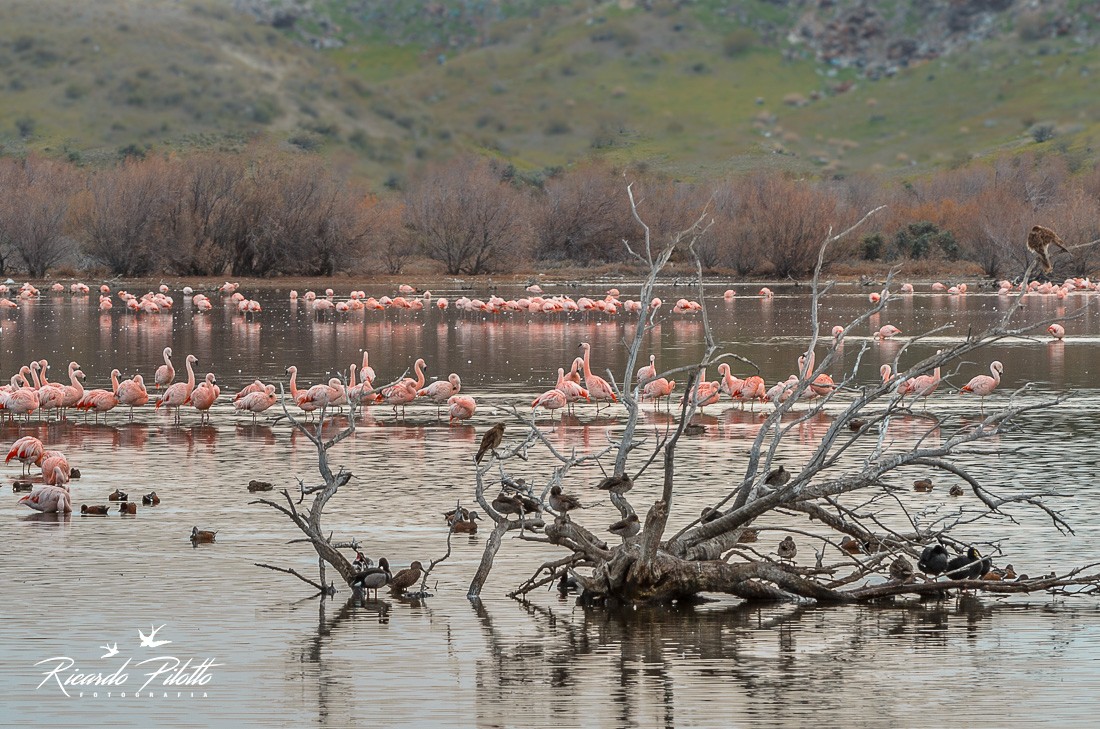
(752, 390)
(178, 393)
(598, 388)
(983, 385)
(55, 468)
(256, 402)
(72, 392)
(358, 393)
(322, 396)
(550, 401)
(49, 500)
(727, 382)
(166, 372)
(441, 391)
(460, 407)
(649, 371)
(923, 385)
(823, 384)
(366, 371)
(659, 388)
(403, 392)
(706, 393)
(572, 390)
(22, 400)
(26, 450)
(132, 393)
(204, 396)
(101, 401)
(254, 387)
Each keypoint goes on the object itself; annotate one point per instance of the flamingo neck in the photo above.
(587, 368)
(114, 381)
(294, 383)
(417, 368)
(34, 376)
(351, 376)
(190, 376)
(167, 359)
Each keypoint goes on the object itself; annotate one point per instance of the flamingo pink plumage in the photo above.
(204, 396)
(923, 385)
(550, 401)
(461, 407)
(256, 402)
(132, 393)
(727, 383)
(178, 393)
(649, 371)
(166, 372)
(49, 500)
(598, 388)
(659, 388)
(27, 450)
(572, 390)
(984, 385)
(55, 468)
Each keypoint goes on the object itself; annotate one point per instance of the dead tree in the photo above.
(840, 494)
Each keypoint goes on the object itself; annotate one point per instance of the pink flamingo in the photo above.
(887, 331)
(983, 385)
(249, 389)
(23, 400)
(598, 388)
(357, 393)
(366, 371)
(886, 372)
(55, 468)
(572, 390)
(132, 393)
(781, 391)
(728, 383)
(295, 393)
(27, 450)
(441, 391)
(322, 396)
(649, 371)
(550, 401)
(72, 392)
(752, 390)
(823, 384)
(923, 385)
(659, 388)
(166, 372)
(404, 391)
(706, 393)
(101, 401)
(1057, 331)
(575, 371)
(204, 396)
(460, 407)
(256, 402)
(178, 393)
(49, 500)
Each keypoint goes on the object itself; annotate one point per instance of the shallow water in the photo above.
(74, 585)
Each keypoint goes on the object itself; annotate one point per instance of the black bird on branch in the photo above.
(933, 560)
(490, 441)
(969, 566)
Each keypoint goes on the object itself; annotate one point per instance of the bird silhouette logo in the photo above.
(112, 650)
(147, 640)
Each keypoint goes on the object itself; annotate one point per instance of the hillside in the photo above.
(694, 88)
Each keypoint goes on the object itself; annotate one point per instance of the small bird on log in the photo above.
(748, 536)
(709, 514)
(1039, 241)
(933, 560)
(787, 549)
(969, 566)
(616, 484)
(627, 527)
(490, 441)
(901, 569)
(778, 477)
(563, 502)
(406, 578)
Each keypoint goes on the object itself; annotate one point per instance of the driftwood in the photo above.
(708, 556)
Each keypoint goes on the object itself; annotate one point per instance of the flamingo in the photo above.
(132, 393)
(321, 396)
(166, 372)
(23, 400)
(404, 391)
(254, 387)
(49, 500)
(598, 388)
(26, 450)
(441, 391)
(658, 388)
(752, 390)
(649, 371)
(983, 385)
(575, 371)
(256, 402)
(204, 396)
(550, 401)
(780, 391)
(1057, 331)
(923, 385)
(823, 384)
(706, 393)
(887, 331)
(357, 393)
(295, 393)
(572, 390)
(460, 407)
(101, 401)
(728, 383)
(366, 371)
(55, 468)
(178, 393)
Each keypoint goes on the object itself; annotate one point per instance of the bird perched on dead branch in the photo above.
(406, 578)
(616, 484)
(933, 560)
(490, 441)
(627, 527)
(851, 546)
(778, 477)
(787, 549)
(563, 502)
(901, 569)
(709, 514)
(1039, 241)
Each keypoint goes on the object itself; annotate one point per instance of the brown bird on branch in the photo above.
(901, 569)
(406, 578)
(778, 477)
(1039, 241)
(616, 484)
(489, 442)
(563, 502)
(787, 549)
(627, 527)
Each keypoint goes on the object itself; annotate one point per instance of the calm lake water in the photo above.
(281, 659)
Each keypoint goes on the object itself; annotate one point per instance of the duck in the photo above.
(21, 486)
(373, 578)
(856, 424)
(95, 510)
(200, 536)
(748, 536)
(956, 490)
(788, 549)
(150, 499)
(627, 527)
(969, 566)
(127, 507)
(933, 560)
(467, 526)
(616, 484)
(777, 477)
(117, 495)
(851, 546)
(709, 514)
(563, 502)
(362, 562)
(924, 485)
(459, 513)
(406, 578)
(901, 569)
(254, 486)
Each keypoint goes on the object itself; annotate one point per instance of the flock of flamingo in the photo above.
(30, 392)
